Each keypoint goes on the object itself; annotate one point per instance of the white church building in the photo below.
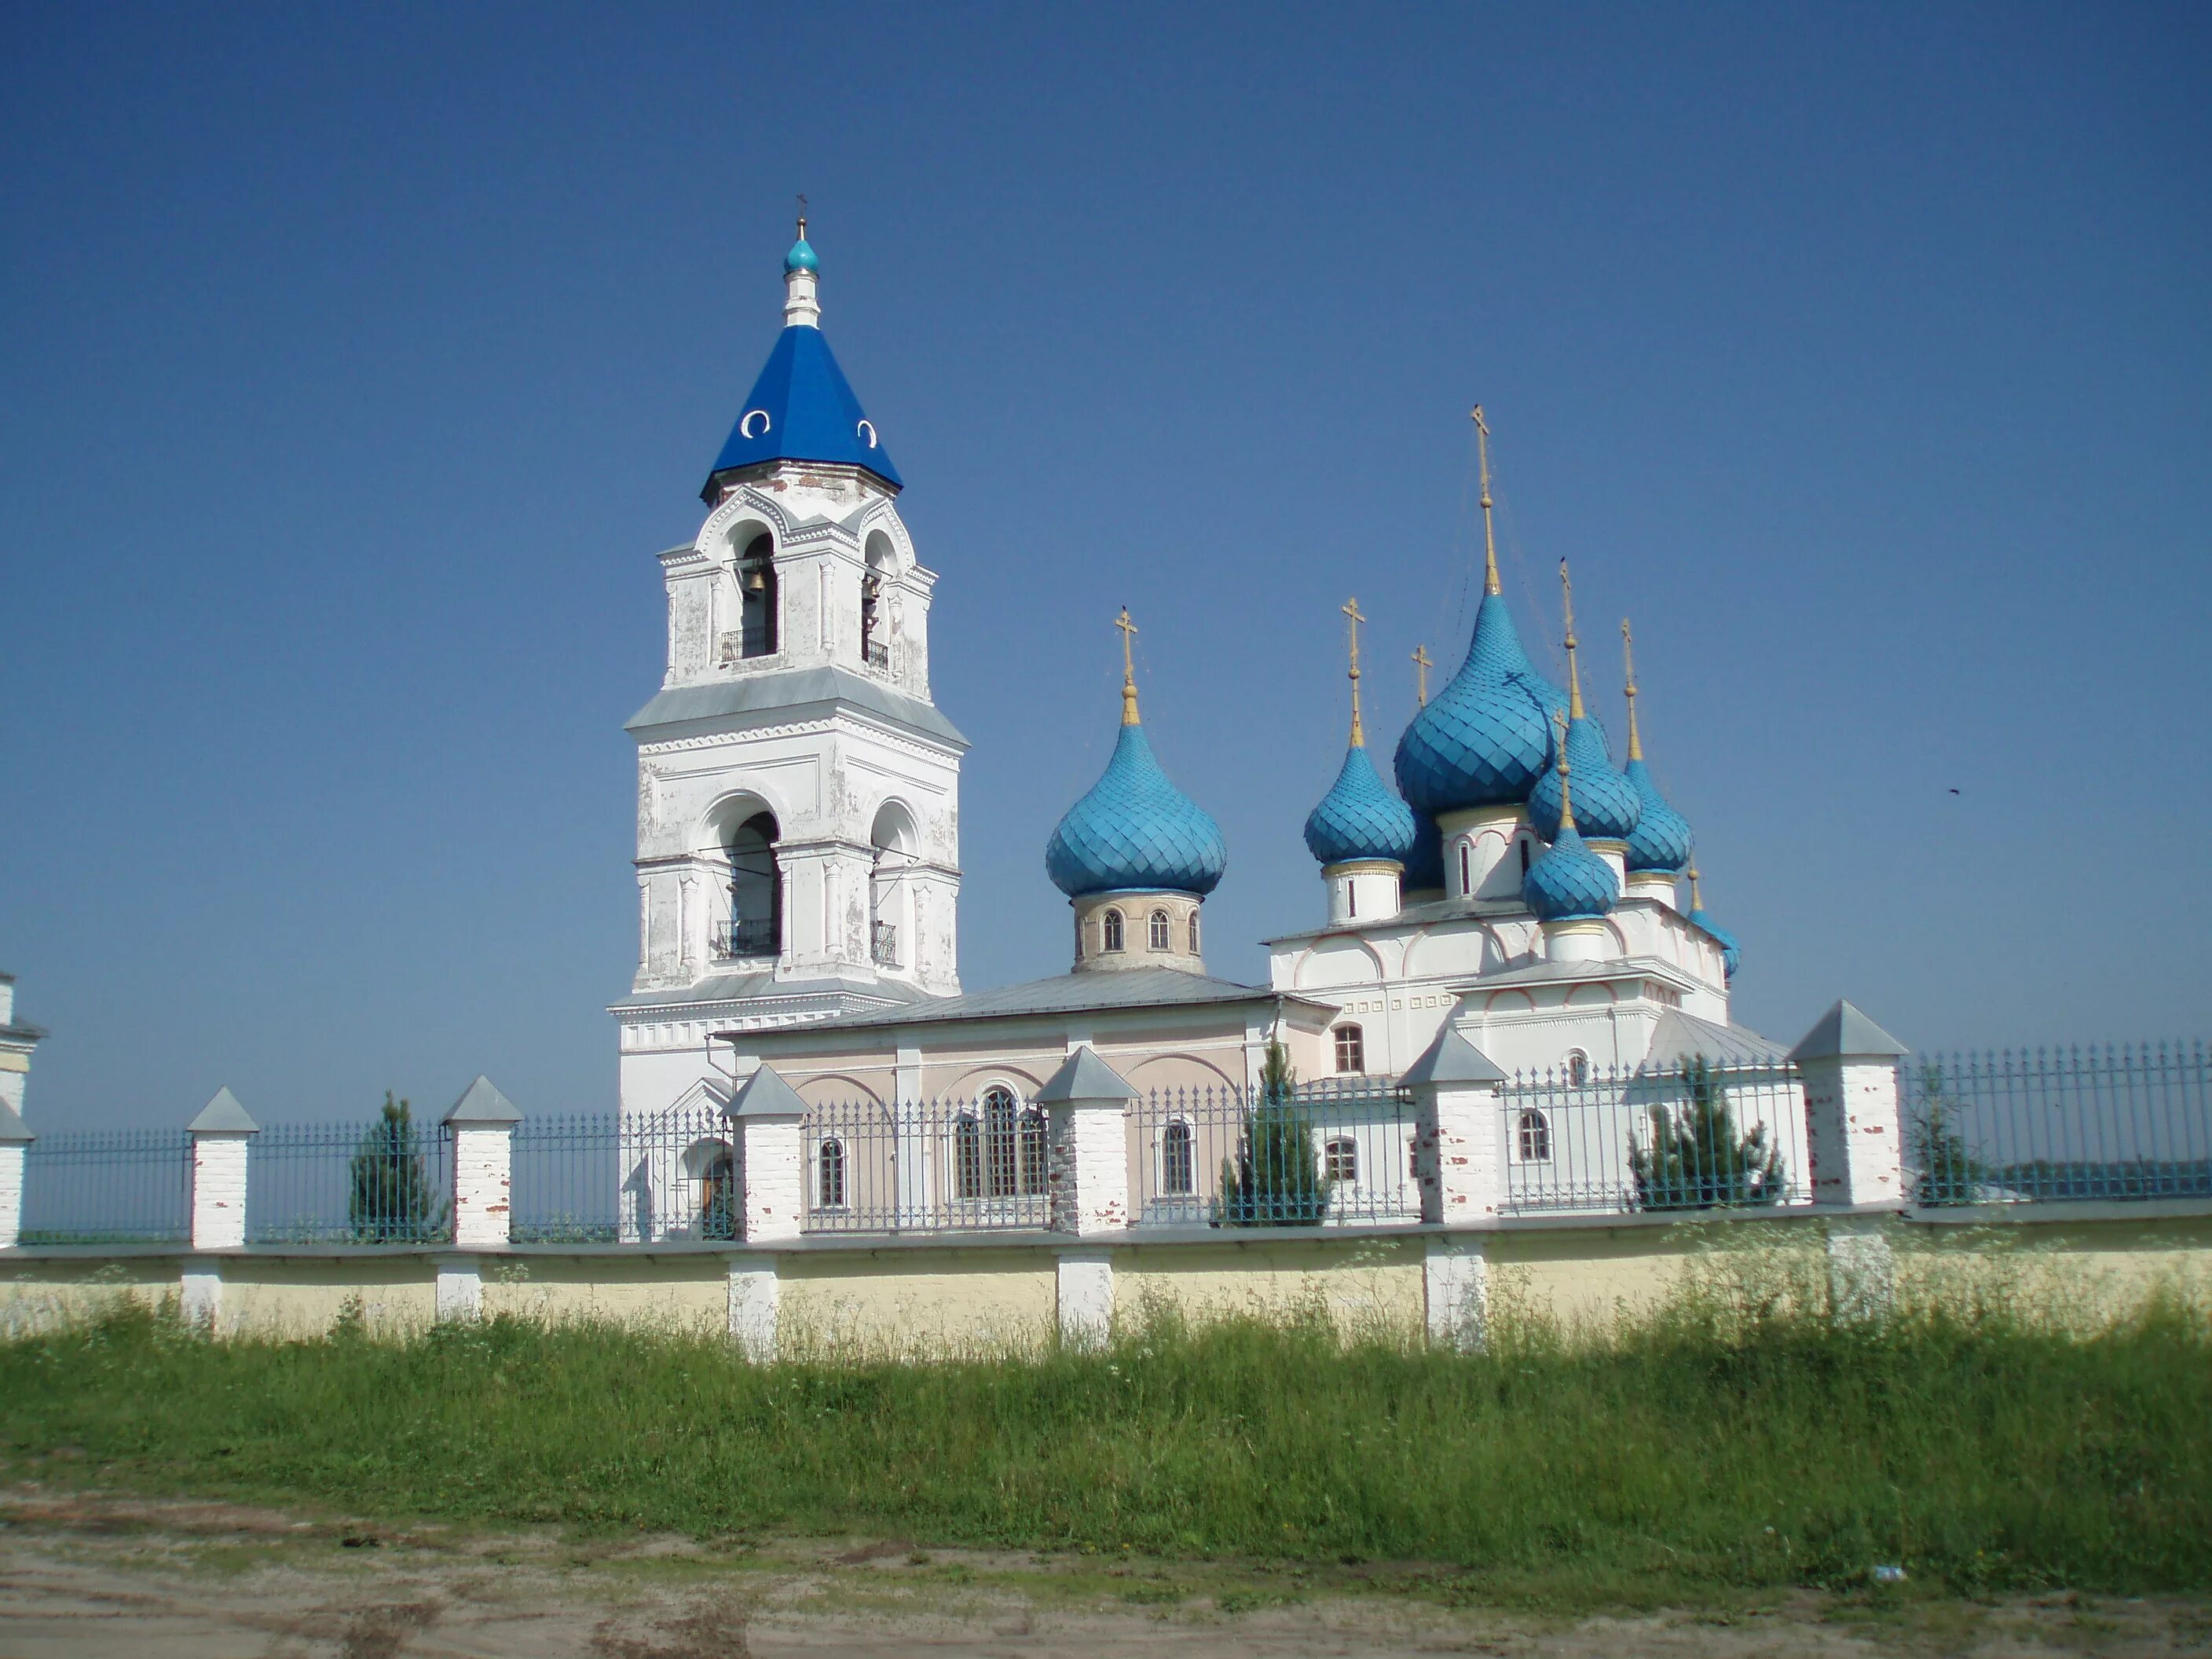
(799, 848)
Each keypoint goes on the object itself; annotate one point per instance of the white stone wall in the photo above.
(219, 1161)
(1857, 1131)
(1089, 1178)
(11, 1194)
(483, 1182)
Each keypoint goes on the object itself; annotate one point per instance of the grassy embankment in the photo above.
(1700, 1447)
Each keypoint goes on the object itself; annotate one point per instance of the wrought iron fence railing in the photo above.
(384, 1182)
(1332, 1152)
(1696, 1138)
(2130, 1121)
(108, 1187)
(673, 1176)
(733, 939)
(943, 1165)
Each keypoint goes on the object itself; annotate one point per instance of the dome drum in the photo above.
(1480, 856)
(1138, 927)
(1582, 940)
(1363, 890)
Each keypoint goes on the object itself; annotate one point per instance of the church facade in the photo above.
(797, 841)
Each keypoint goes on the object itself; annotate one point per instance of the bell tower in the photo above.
(797, 791)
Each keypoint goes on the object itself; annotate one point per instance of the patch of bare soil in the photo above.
(94, 1577)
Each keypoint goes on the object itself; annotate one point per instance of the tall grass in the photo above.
(1705, 1444)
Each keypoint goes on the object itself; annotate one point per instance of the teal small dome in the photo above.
(1569, 882)
(801, 257)
(1359, 817)
(1660, 842)
(1607, 806)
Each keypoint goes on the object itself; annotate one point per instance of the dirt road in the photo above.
(112, 1577)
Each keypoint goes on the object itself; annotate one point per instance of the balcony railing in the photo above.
(757, 639)
(879, 653)
(729, 940)
(883, 944)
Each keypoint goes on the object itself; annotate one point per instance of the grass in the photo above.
(1696, 1448)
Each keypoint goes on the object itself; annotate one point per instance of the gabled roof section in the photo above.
(1844, 1031)
(223, 1114)
(1679, 1038)
(1083, 1076)
(801, 409)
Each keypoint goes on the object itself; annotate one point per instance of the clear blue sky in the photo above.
(357, 361)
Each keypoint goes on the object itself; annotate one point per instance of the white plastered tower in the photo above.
(797, 791)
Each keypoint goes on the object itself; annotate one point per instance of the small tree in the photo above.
(1275, 1180)
(1948, 1171)
(1697, 1160)
(389, 1199)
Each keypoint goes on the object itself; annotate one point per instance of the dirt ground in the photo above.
(103, 1576)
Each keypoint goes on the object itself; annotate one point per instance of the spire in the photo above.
(1128, 670)
(1490, 583)
(1574, 674)
(801, 309)
(1352, 609)
(1628, 659)
(1422, 663)
(1567, 794)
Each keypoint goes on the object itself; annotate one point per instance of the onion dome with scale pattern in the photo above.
(1731, 953)
(1659, 844)
(1360, 818)
(1135, 830)
(1486, 738)
(1569, 883)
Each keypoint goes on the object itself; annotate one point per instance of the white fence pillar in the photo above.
(756, 1306)
(220, 1135)
(1854, 1122)
(769, 1118)
(1086, 1103)
(1458, 1143)
(483, 1123)
(14, 1144)
(1455, 1284)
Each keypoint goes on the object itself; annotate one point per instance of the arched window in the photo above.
(1466, 872)
(875, 645)
(1110, 926)
(717, 1192)
(1178, 1162)
(1193, 932)
(1351, 1049)
(1524, 857)
(1534, 1135)
(1008, 1149)
(968, 1157)
(1340, 1159)
(754, 925)
(831, 1185)
(757, 585)
(1032, 1149)
(1578, 1067)
(1157, 935)
(1351, 898)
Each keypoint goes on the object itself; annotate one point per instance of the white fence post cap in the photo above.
(482, 1102)
(1846, 1033)
(1451, 1059)
(765, 1094)
(223, 1114)
(1083, 1076)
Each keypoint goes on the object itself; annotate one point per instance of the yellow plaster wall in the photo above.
(37, 1295)
(689, 1291)
(304, 1296)
(2076, 1273)
(919, 1300)
(1361, 1282)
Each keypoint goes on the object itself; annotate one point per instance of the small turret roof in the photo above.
(224, 1113)
(482, 1102)
(1844, 1030)
(765, 1094)
(802, 409)
(1083, 1076)
(1451, 1059)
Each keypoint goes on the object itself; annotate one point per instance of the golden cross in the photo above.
(1352, 609)
(1628, 657)
(1422, 664)
(1490, 582)
(1128, 668)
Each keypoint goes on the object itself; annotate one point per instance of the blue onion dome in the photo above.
(1569, 883)
(1731, 953)
(801, 256)
(1359, 817)
(1424, 865)
(1486, 738)
(1135, 829)
(1661, 840)
(1607, 806)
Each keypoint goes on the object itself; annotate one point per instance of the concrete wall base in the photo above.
(459, 1293)
(1455, 1284)
(1085, 1298)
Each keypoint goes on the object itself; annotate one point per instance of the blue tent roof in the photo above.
(1135, 829)
(802, 410)
(1359, 817)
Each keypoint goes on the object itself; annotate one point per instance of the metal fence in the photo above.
(108, 1187)
(634, 1178)
(2120, 1121)
(1696, 1138)
(935, 1166)
(1336, 1151)
(384, 1182)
